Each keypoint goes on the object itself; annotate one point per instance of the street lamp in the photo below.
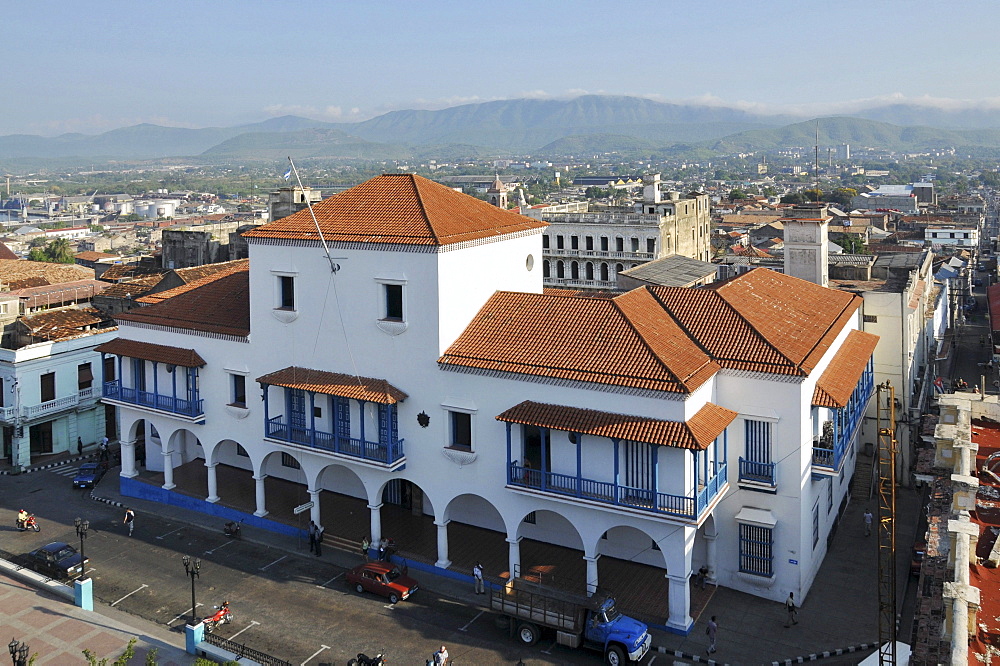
(18, 652)
(192, 568)
(81, 531)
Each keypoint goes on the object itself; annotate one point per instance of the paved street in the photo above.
(288, 604)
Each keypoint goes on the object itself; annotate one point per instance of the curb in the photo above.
(106, 500)
(816, 656)
(40, 468)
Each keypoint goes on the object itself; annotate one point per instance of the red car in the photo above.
(382, 578)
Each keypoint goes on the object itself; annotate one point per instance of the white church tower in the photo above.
(806, 251)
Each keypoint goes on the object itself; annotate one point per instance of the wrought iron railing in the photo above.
(113, 390)
(243, 652)
(382, 452)
(757, 472)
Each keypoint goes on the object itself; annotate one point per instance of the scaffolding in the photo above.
(887, 450)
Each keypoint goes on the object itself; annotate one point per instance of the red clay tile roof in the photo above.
(398, 208)
(198, 279)
(187, 358)
(132, 288)
(582, 339)
(129, 271)
(658, 338)
(90, 255)
(220, 305)
(335, 383)
(838, 381)
(7, 253)
(63, 292)
(65, 323)
(698, 433)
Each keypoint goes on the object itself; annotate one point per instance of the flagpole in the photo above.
(333, 267)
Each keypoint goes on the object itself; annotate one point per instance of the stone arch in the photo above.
(589, 270)
(544, 537)
(339, 478)
(477, 531)
(574, 271)
(185, 446)
(545, 268)
(560, 269)
(228, 452)
(633, 544)
(604, 272)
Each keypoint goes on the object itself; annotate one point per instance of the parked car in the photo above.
(382, 578)
(57, 560)
(917, 558)
(89, 474)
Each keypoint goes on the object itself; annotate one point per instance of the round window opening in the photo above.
(529, 262)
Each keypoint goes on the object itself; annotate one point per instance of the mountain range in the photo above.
(584, 126)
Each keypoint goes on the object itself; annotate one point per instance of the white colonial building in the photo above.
(418, 357)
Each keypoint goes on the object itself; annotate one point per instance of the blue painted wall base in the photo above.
(83, 594)
(193, 636)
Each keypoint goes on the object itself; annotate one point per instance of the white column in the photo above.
(443, 562)
(314, 511)
(261, 500)
(514, 556)
(128, 460)
(213, 483)
(711, 556)
(168, 470)
(680, 603)
(376, 511)
(591, 573)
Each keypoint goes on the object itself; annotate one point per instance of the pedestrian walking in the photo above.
(868, 521)
(312, 537)
(477, 574)
(103, 449)
(129, 520)
(441, 657)
(319, 540)
(79, 446)
(793, 611)
(702, 576)
(382, 544)
(711, 630)
(365, 545)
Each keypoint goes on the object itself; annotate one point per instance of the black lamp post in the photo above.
(81, 531)
(192, 568)
(18, 652)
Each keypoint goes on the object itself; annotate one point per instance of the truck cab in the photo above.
(620, 637)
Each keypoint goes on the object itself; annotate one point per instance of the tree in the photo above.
(813, 194)
(59, 251)
(737, 193)
(793, 198)
(842, 196)
(852, 244)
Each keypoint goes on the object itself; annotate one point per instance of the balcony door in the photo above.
(139, 374)
(536, 446)
(297, 408)
(639, 471)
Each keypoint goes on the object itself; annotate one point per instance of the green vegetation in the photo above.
(56, 251)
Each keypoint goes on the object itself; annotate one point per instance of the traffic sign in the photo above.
(303, 507)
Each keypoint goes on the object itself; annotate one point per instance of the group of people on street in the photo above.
(712, 628)
(316, 533)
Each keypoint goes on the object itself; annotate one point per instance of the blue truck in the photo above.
(590, 622)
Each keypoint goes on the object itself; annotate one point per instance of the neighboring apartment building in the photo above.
(419, 377)
(952, 236)
(900, 198)
(589, 247)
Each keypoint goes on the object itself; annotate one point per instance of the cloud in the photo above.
(329, 113)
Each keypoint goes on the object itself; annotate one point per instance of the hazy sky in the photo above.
(73, 66)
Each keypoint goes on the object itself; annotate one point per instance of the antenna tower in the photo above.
(885, 404)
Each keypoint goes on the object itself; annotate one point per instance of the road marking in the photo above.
(169, 533)
(264, 568)
(209, 552)
(331, 580)
(252, 623)
(325, 647)
(651, 660)
(184, 614)
(130, 594)
(471, 621)
(549, 650)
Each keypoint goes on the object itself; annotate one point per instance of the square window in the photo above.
(574, 242)
(590, 242)
(393, 302)
(756, 543)
(286, 292)
(288, 460)
(48, 386)
(318, 412)
(559, 243)
(461, 431)
(239, 395)
(545, 242)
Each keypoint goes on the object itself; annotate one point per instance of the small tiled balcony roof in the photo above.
(838, 381)
(335, 383)
(696, 434)
(187, 358)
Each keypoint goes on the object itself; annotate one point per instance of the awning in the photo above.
(335, 383)
(187, 358)
(840, 378)
(753, 516)
(696, 433)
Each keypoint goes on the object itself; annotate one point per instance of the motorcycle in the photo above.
(222, 616)
(364, 660)
(232, 529)
(28, 524)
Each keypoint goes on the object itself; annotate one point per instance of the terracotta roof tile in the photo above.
(90, 255)
(334, 383)
(63, 292)
(132, 288)
(194, 280)
(15, 270)
(7, 253)
(838, 381)
(220, 304)
(187, 358)
(65, 323)
(697, 433)
(118, 272)
(398, 208)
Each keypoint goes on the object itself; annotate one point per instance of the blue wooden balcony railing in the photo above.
(113, 390)
(757, 472)
(829, 449)
(612, 493)
(381, 452)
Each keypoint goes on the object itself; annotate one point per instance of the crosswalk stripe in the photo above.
(65, 471)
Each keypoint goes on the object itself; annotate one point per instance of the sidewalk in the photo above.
(58, 632)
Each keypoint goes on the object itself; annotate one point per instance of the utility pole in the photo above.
(885, 398)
